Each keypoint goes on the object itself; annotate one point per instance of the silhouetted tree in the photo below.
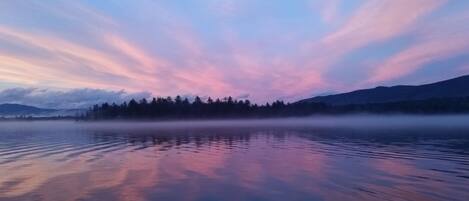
(166, 108)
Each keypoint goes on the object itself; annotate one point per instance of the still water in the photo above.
(372, 159)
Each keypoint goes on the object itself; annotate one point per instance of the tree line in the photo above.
(182, 108)
(178, 107)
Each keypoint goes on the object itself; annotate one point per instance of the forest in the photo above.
(182, 108)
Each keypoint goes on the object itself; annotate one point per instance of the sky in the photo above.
(74, 53)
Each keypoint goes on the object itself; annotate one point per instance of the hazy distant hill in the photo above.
(453, 88)
(17, 109)
(13, 110)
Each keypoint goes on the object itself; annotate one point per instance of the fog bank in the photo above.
(352, 121)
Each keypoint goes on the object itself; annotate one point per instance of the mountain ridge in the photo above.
(15, 110)
(451, 88)
(20, 109)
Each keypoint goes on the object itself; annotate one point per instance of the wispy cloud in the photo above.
(435, 41)
(328, 9)
(268, 50)
(372, 22)
(379, 20)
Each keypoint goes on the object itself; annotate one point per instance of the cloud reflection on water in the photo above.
(79, 161)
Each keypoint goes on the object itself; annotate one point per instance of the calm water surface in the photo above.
(58, 161)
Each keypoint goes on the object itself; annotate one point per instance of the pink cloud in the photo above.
(59, 45)
(70, 56)
(328, 9)
(379, 20)
(231, 65)
(413, 58)
(147, 63)
(436, 41)
(374, 21)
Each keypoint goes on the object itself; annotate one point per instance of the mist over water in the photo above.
(345, 121)
(317, 158)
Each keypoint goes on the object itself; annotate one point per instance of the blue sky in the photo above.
(265, 50)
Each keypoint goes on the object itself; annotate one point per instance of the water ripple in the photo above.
(87, 163)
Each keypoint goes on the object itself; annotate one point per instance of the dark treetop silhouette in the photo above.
(164, 108)
(178, 108)
(450, 96)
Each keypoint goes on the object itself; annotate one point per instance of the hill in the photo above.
(25, 110)
(453, 88)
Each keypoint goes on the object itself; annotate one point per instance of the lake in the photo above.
(320, 158)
